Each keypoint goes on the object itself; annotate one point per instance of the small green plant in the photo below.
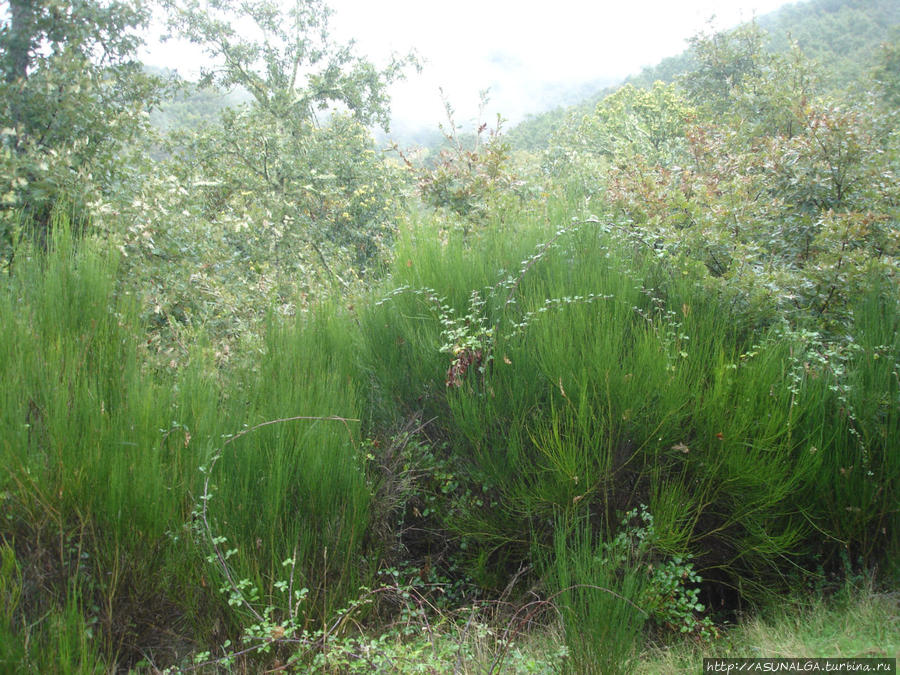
(470, 338)
(672, 594)
(468, 341)
(673, 599)
(467, 181)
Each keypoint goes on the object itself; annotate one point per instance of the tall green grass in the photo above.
(612, 379)
(89, 480)
(103, 458)
(297, 489)
(580, 380)
(597, 589)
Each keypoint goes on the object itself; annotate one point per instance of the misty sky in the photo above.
(527, 54)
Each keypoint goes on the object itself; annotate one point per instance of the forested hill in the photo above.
(191, 105)
(844, 37)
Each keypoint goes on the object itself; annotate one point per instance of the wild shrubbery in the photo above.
(785, 194)
(605, 382)
(610, 382)
(656, 385)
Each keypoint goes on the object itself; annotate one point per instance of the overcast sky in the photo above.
(527, 54)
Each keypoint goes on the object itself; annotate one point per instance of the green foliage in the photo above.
(535, 131)
(10, 597)
(423, 638)
(89, 480)
(285, 58)
(787, 198)
(844, 39)
(609, 378)
(726, 61)
(649, 123)
(103, 451)
(671, 597)
(855, 620)
(597, 588)
(760, 92)
(316, 196)
(468, 182)
(690, 310)
(307, 474)
(63, 641)
(607, 591)
(548, 424)
(887, 72)
(315, 185)
(267, 206)
(73, 96)
(627, 126)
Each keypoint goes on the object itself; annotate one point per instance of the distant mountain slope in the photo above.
(843, 36)
(192, 106)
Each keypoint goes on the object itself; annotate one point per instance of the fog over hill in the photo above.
(531, 58)
(843, 37)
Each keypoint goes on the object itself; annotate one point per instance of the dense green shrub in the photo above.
(596, 382)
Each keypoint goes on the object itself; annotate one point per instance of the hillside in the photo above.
(191, 106)
(277, 400)
(843, 37)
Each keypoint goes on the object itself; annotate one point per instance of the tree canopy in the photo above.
(73, 94)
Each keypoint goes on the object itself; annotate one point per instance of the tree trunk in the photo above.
(20, 40)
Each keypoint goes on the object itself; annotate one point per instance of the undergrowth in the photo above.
(548, 434)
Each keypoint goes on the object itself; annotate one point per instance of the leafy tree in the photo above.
(71, 96)
(735, 75)
(279, 196)
(631, 127)
(636, 121)
(317, 184)
(786, 197)
(285, 58)
(725, 61)
(470, 173)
